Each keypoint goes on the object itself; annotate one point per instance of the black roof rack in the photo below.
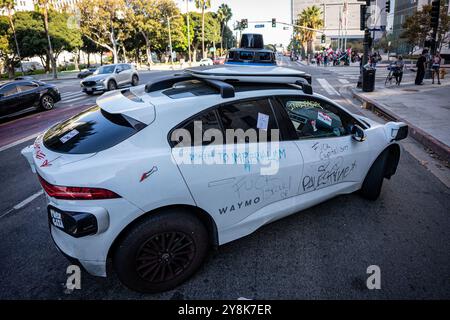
(225, 88)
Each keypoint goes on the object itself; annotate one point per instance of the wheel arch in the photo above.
(199, 213)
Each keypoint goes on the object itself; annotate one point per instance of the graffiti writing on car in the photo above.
(327, 151)
(264, 186)
(327, 173)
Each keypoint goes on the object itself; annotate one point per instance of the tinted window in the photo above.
(264, 56)
(246, 55)
(106, 69)
(26, 86)
(91, 131)
(125, 66)
(200, 123)
(254, 114)
(8, 90)
(313, 117)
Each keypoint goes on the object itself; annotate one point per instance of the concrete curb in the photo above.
(441, 149)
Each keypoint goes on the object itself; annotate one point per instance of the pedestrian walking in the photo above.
(436, 64)
(399, 65)
(421, 62)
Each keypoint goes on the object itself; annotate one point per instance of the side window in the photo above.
(254, 114)
(312, 117)
(199, 124)
(9, 90)
(125, 67)
(26, 86)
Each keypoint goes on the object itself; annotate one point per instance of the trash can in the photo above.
(368, 79)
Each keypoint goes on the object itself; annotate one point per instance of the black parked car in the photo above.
(20, 95)
(86, 72)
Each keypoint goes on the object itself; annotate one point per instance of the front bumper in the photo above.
(99, 86)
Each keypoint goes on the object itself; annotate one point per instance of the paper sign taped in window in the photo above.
(263, 121)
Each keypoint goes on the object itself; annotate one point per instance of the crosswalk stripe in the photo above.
(327, 86)
(344, 81)
(71, 94)
(75, 99)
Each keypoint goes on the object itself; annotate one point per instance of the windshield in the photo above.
(105, 70)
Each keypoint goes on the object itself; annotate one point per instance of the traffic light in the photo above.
(435, 6)
(388, 6)
(362, 17)
(244, 23)
(323, 38)
(274, 23)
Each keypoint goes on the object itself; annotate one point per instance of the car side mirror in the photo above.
(118, 70)
(358, 133)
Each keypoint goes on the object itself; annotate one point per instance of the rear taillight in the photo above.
(76, 193)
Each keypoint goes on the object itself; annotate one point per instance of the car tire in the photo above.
(112, 85)
(47, 102)
(161, 252)
(371, 187)
(134, 80)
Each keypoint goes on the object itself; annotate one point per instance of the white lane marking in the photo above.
(23, 203)
(28, 200)
(328, 88)
(75, 99)
(15, 143)
(344, 81)
(71, 94)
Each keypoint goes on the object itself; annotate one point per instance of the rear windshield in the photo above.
(90, 131)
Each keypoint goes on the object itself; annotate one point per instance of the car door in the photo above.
(9, 99)
(238, 171)
(29, 94)
(333, 160)
(125, 74)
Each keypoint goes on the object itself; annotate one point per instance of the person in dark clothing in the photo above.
(421, 62)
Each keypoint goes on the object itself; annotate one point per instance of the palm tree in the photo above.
(203, 5)
(310, 17)
(224, 14)
(44, 6)
(8, 7)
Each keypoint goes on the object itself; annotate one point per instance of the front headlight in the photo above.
(101, 80)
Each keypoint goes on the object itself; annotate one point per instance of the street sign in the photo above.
(259, 26)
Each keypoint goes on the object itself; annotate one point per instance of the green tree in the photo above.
(7, 55)
(224, 14)
(310, 19)
(416, 28)
(8, 7)
(203, 5)
(211, 31)
(104, 23)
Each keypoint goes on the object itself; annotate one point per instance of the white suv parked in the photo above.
(126, 182)
(110, 77)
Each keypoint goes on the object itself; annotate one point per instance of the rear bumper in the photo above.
(91, 251)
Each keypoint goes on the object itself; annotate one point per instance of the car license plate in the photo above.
(56, 219)
(89, 89)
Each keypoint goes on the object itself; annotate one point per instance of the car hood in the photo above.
(97, 77)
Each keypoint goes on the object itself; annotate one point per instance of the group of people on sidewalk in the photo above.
(422, 63)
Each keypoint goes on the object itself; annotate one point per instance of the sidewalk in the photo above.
(426, 110)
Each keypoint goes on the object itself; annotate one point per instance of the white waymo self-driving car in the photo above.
(153, 176)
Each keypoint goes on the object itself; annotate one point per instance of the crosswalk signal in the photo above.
(323, 39)
(244, 23)
(388, 6)
(274, 23)
(362, 17)
(435, 6)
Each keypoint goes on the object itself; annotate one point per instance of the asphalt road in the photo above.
(322, 252)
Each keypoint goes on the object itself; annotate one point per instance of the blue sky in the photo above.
(256, 10)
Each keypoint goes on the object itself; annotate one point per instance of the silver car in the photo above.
(110, 77)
